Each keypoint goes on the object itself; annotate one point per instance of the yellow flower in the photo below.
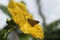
(26, 23)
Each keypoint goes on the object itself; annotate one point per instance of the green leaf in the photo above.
(23, 2)
(23, 36)
(2, 32)
(52, 32)
(5, 10)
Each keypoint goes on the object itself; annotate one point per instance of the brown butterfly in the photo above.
(33, 22)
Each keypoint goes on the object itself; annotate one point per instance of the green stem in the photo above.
(10, 30)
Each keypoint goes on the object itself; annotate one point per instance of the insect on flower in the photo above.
(24, 19)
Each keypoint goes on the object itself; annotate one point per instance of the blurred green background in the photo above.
(45, 11)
